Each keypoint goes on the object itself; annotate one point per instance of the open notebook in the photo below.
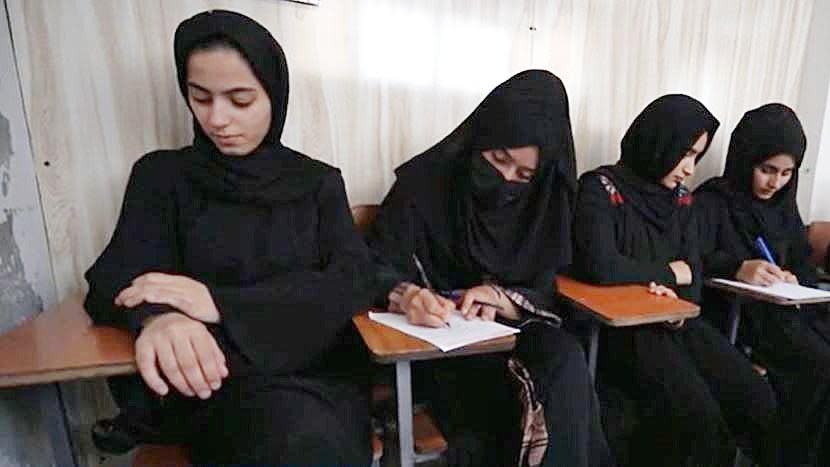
(782, 290)
(461, 332)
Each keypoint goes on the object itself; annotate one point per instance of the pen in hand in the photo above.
(764, 250)
(424, 277)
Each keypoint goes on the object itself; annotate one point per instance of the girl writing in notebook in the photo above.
(486, 213)
(634, 225)
(752, 232)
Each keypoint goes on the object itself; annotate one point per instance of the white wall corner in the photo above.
(813, 106)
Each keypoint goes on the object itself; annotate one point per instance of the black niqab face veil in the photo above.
(272, 173)
(521, 235)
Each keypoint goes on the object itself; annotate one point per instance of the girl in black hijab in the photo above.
(634, 224)
(756, 197)
(236, 262)
(487, 213)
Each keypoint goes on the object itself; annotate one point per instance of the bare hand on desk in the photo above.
(421, 306)
(661, 290)
(185, 352)
(760, 272)
(480, 300)
(189, 296)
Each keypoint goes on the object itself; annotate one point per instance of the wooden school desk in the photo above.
(620, 306)
(390, 346)
(60, 344)
(738, 296)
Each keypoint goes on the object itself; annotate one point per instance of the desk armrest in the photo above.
(623, 305)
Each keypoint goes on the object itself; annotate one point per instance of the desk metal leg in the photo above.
(734, 319)
(403, 383)
(593, 343)
(57, 426)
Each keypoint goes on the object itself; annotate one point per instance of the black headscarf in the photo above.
(512, 233)
(762, 133)
(271, 173)
(653, 145)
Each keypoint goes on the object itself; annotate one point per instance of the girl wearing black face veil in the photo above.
(269, 234)
(694, 391)
(794, 345)
(469, 226)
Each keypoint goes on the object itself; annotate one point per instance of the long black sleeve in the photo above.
(143, 241)
(392, 242)
(285, 322)
(719, 260)
(598, 258)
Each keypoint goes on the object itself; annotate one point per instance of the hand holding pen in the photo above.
(424, 306)
(764, 271)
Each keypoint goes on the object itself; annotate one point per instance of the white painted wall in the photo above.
(812, 108)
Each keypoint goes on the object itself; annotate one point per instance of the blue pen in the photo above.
(762, 247)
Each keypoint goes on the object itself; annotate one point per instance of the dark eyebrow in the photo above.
(779, 169)
(229, 91)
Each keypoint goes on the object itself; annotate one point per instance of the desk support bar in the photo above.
(57, 425)
(403, 386)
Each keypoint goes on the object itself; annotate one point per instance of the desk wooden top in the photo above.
(624, 305)
(61, 344)
(760, 296)
(389, 345)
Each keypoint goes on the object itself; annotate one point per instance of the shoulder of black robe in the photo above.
(762, 133)
(530, 238)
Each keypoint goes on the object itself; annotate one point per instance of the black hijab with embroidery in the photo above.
(734, 215)
(653, 145)
(474, 226)
(629, 227)
(273, 172)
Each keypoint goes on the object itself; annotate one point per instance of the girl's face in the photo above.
(228, 100)
(772, 175)
(686, 167)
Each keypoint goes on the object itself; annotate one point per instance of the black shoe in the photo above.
(119, 435)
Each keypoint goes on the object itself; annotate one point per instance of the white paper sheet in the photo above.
(781, 290)
(461, 332)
